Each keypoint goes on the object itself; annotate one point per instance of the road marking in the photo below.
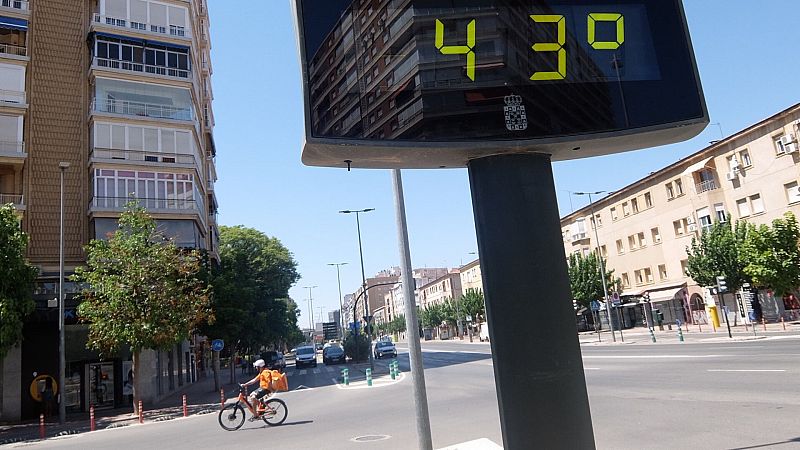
(303, 372)
(746, 370)
(290, 373)
(648, 356)
(591, 368)
(479, 444)
(316, 370)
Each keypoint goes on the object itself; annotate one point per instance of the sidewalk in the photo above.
(692, 334)
(201, 397)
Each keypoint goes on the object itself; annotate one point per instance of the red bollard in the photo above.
(91, 418)
(141, 412)
(783, 323)
(764, 322)
(41, 426)
(221, 399)
(185, 411)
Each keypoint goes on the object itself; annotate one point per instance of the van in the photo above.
(484, 335)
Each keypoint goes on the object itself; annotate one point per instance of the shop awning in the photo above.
(13, 23)
(696, 166)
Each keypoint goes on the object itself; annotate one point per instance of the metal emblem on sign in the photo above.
(516, 118)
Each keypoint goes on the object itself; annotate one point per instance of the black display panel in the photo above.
(478, 70)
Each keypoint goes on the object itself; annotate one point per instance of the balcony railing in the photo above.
(16, 199)
(7, 147)
(171, 30)
(409, 113)
(142, 68)
(16, 4)
(13, 49)
(129, 108)
(178, 204)
(705, 186)
(143, 156)
(14, 97)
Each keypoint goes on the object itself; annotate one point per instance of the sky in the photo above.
(747, 55)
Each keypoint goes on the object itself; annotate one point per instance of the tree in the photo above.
(584, 278)
(251, 285)
(16, 282)
(356, 346)
(771, 256)
(432, 316)
(143, 291)
(471, 304)
(716, 253)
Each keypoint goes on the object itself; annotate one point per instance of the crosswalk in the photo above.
(316, 371)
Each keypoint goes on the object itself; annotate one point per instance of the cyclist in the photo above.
(264, 380)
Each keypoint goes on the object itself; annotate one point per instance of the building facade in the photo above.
(120, 90)
(645, 228)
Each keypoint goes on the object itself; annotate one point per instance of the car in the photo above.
(333, 354)
(484, 335)
(274, 359)
(318, 346)
(305, 355)
(385, 348)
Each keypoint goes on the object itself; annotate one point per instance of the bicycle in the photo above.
(232, 416)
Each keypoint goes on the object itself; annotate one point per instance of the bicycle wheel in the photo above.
(232, 417)
(276, 412)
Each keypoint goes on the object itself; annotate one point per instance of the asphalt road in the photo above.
(718, 395)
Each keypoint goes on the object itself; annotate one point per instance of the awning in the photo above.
(144, 42)
(697, 166)
(13, 23)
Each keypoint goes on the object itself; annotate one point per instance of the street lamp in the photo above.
(341, 307)
(62, 364)
(310, 307)
(602, 264)
(363, 279)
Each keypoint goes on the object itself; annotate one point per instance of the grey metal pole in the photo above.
(602, 270)
(366, 296)
(341, 307)
(62, 364)
(424, 440)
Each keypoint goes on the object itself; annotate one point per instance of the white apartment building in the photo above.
(645, 228)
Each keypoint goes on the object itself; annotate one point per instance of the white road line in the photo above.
(591, 368)
(316, 371)
(746, 370)
(290, 373)
(303, 372)
(649, 356)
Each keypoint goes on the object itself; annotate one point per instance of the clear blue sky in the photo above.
(747, 53)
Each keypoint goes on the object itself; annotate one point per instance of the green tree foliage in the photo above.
(143, 291)
(251, 292)
(584, 278)
(432, 316)
(397, 325)
(16, 280)
(356, 346)
(771, 256)
(717, 253)
(471, 304)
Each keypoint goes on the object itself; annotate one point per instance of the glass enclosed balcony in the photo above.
(142, 100)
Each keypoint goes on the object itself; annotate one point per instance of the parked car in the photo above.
(333, 354)
(275, 360)
(484, 336)
(385, 348)
(305, 356)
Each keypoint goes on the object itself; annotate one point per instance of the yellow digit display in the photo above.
(468, 49)
(552, 47)
(606, 17)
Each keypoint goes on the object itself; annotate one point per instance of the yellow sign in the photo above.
(40, 383)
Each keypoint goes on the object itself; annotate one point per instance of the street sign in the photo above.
(568, 78)
(594, 305)
(615, 299)
(217, 345)
(330, 330)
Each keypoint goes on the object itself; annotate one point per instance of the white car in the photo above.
(484, 335)
(305, 356)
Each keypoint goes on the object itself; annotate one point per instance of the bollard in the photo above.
(392, 370)
(345, 376)
(746, 326)
(185, 410)
(141, 412)
(91, 418)
(369, 377)
(783, 323)
(221, 399)
(652, 336)
(699, 327)
(764, 322)
(680, 334)
(41, 426)
(713, 327)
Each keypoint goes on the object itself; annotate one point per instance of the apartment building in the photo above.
(121, 91)
(471, 276)
(645, 228)
(446, 287)
(394, 300)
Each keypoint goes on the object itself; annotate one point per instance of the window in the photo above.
(662, 272)
(744, 158)
(603, 251)
(678, 187)
(642, 240)
(780, 148)
(648, 200)
(684, 264)
(743, 207)
(639, 275)
(614, 213)
(597, 222)
(632, 242)
(792, 192)
(719, 210)
(620, 247)
(635, 205)
(648, 275)
(733, 163)
(757, 204)
(680, 227)
(655, 235)
(626, 211)
(626, 282)
(670, 191)
(704, 218)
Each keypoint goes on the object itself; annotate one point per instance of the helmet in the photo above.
(259, 363)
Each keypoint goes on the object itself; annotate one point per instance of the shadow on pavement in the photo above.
(771, 444)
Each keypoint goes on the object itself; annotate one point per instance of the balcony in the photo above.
(151, 204)
(13, 49)
(15, 199)
(139, 109)
(22, 5)
(146, 28)
(171, 72)
(12, 149)
(705, 186)
(139, 156)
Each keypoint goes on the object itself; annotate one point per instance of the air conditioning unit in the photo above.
(692, 228)
(690, 220)
(730, 176)
(788, 143)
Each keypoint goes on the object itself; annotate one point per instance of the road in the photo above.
(736, 395)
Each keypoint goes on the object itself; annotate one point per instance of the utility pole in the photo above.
(341, 307)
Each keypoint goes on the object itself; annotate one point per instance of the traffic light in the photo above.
(722, 285)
